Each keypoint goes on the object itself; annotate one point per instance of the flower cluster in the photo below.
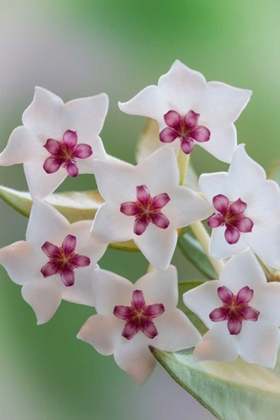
(149, 205)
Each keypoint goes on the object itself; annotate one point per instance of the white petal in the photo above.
(86, 116)
(244, 174)
(186, 207)
(22, 147)
(242, 270)
(220, 248)
(39, 182)
(82, 291)
(146, 103)
(217, 344)
(267, 301)
(111, 290)
(223, 140)
(86, 166)
(157, 245)
(175, 331)
(102, 332)
(46, 224)
(160, 286)
(134, 357)
(264, 241)
(20, 262)
(213, 184)
(223, 103)
(45, 114)
(44, 296)
(110, 225)
(202, 300)
(258, 342)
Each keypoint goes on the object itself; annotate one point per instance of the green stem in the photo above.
(202, 235)
(183, 162)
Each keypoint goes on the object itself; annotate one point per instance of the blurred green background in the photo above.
(80, 48)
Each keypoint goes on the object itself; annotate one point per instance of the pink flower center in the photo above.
(184, 127)
(139, 316)
(231, 215)
(146, 209)
(63, 260)
(64, 153)
(235, 308)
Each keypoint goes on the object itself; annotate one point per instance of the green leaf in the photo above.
(194, 252)
(185, 287)
(231, 391)
(273, 171)
(74, 206)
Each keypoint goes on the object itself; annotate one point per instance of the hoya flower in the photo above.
(190, 111)
(247, 210)
(57, 140)
(242, 312)
(146, 204)
(56, 261)
(130, 317)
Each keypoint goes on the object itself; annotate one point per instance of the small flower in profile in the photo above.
(57, 140)
(190, 111)
(242, 312)
(247, 210)
(145, 203)
(57, 261)
(130, 317)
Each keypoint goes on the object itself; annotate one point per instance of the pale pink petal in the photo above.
(69, 244)
(187, 145)
(214, 184)
(249, 314)
(232, 235)
(147, 103)
(102, 332)
(140, 225)
(123, 312)
(215, 221)
(82, 291)
(70, 138)
(172, 119)
(160, 220)
(22, 147)
(244, 295)
(51, 250)
(71, 168)
(234, 325)
(149, 329)
(219, 314)
(83, 151)
(138, 300)
(221, 203)
(68, 277)
(80, 261)
(268, 292)
(191, 119)
(217, 145)
(238, 207)
(220, 248)
(52, 164)
(168, 135)
(52, 146)
(44, 297)
(244, 225)
(129, 208)
(225, 294)
(160, 201)
(201, 134)
(155, 310)
(50, 269)
(130, 329)
(87, 166)
(142, 194)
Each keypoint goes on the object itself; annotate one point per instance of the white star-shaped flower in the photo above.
(247, 210)
(146, 204)
(242, 312)
(130, 317)
(56, 261)
(57, 140)
(190, 111)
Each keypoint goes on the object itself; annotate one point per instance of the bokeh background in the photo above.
(79, 48)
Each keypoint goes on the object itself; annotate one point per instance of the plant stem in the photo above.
(202, 235)
(183, 162)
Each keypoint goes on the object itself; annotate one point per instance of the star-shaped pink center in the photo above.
(63, 260)
(139, 316)
(184, 127)
(231, 215)
(65, 152)
(235, 308)
(146, 209)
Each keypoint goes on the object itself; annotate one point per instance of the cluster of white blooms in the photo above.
(149, 204)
